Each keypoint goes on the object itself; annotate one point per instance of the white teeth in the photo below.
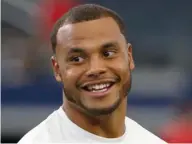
(98, 87)
(102, 90)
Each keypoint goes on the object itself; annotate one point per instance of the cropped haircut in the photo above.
(81, 13)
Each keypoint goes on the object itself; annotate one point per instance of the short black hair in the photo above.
(81, 13)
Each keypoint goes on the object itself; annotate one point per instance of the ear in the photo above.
(56, 70)
(130, 57)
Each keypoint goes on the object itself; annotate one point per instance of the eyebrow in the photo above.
(109, 44)
(76, 50)
(103, 46)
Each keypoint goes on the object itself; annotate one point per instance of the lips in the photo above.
(98, 86)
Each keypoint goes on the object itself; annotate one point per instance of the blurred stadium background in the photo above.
(161, 34)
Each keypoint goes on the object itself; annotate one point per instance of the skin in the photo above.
(93, 52)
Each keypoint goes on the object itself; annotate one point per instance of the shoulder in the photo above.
(140, 134)
(40, 133)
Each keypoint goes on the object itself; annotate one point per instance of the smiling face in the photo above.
(94, 63)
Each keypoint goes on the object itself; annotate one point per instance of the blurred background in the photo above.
(161, 34)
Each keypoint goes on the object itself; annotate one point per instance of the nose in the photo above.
(96, 67)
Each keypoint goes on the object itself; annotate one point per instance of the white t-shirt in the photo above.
(58, 128)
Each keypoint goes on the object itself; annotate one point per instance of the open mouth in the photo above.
(100, 87)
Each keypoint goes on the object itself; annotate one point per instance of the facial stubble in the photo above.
(123, 93)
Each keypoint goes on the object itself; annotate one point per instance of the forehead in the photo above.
(100, 30)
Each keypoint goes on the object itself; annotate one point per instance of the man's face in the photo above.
(94, 63)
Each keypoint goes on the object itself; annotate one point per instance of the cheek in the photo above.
(70, 75)
(123, 72)
(121, 67)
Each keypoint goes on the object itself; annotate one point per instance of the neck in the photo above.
(110, 126)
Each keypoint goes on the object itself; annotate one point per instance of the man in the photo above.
(94, 63)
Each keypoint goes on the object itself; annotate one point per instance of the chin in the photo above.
(105, 110)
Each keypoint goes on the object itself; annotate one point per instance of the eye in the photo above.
(108, 53)
(76, 59)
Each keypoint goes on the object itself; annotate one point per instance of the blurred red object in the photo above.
(51, 11)
(178, 132)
